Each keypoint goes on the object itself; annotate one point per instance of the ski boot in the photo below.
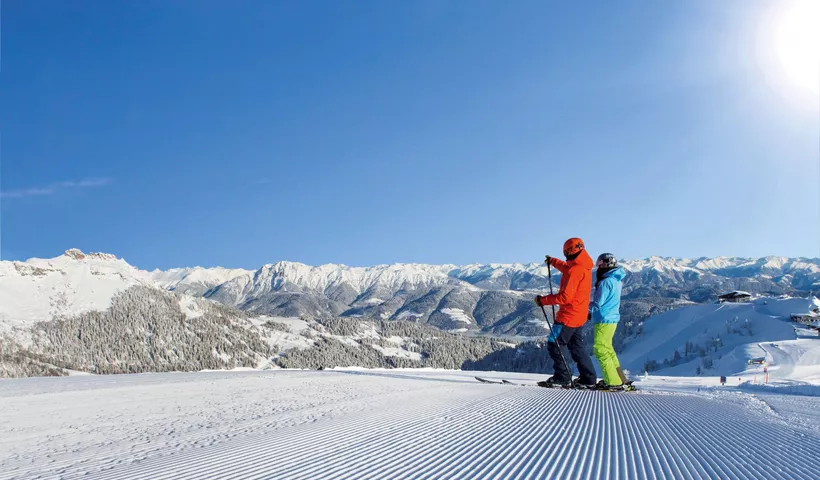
(576, 384)
(624, 387)
(553, 382)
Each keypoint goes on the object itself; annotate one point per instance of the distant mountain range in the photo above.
(490, 298)
(95, 312)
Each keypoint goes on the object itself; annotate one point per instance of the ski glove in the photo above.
(547, 260)
(539, 300)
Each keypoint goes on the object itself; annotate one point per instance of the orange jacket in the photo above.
(573, 296)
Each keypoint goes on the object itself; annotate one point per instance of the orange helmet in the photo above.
(573, 246)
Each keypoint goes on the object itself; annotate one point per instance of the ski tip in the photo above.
(484, 380)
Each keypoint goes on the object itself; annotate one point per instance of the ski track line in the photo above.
(288, 442)
(348, 464)
(521, 462)
(720, 438)
(397, 423)
(702, 430)
(650, 444)
(146, 447)
(497, 432)
(702, 453)
(338, 434)
(191, 441)
(495, 442)
(546, 409)
(667, 470)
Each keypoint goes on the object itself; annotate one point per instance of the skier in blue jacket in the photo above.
(605, 313)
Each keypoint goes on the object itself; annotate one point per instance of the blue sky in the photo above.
(364, 132)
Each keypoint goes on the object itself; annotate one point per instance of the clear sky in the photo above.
(363, 132)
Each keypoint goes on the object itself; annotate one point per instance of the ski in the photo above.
(625, 388)
(484, 380)
(519, 384)
(504, 382)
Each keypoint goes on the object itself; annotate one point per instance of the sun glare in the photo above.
(793, 41)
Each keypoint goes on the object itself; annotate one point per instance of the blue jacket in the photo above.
(606, 302)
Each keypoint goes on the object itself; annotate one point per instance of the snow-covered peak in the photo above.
(659, 264)
(294, 276)
(42, 289)
(320, 278)
(102, 256)
(77, 254)
(74, 253)
(716, 263)
(196, 280)
(775, 263)
(333, 280)
(72, 259)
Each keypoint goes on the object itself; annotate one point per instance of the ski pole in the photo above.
(552, 329)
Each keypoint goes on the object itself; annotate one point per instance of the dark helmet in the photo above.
(606, 260)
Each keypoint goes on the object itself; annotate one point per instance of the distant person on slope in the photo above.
(573, 302)
(604, 310)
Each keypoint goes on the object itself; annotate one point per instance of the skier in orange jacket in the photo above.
(573, 308)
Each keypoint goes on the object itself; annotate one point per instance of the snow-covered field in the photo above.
(359, 424)
(367, 424)
(743, 330)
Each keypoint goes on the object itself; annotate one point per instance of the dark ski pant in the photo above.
(572, 338)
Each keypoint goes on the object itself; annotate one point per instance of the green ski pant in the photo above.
(606, 354)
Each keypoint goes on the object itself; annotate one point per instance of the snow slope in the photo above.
(793, 365)
(739, 327)
(362, 424)
(40, 289)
